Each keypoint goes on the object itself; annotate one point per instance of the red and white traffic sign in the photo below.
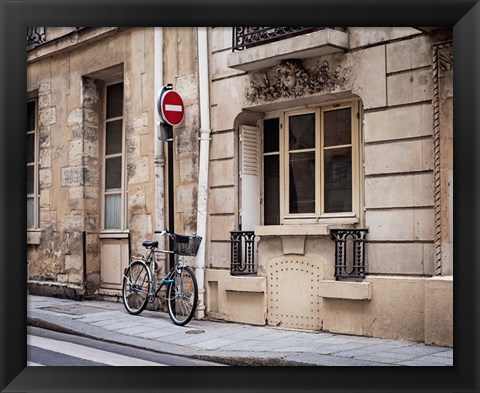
(171, 107)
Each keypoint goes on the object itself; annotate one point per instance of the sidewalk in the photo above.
(229, 343)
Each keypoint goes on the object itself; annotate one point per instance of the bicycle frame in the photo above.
(151, 263)
(139, 289)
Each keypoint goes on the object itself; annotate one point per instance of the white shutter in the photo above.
(250, 153)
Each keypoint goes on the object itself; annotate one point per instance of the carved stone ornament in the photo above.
(291, 80)
(445, 58)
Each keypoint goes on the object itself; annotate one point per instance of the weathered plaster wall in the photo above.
(181, 69)
(70, 94)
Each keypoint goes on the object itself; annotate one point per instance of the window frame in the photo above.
(105, 156)
(286, 168)
(319, 216)
(271, 115)
(36, 166)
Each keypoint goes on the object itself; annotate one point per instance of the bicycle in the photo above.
(140, 279)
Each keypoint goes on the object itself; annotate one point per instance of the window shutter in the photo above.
(250, 148)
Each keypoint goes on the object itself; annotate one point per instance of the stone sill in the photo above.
(113, 235)
(34, 237)
(301, 230)
(315, 44)
(441, 278)
(332, 289)
(229, 283)
(246, 284)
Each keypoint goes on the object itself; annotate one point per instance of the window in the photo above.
(113, 218)
(33, 219)
(311, 164)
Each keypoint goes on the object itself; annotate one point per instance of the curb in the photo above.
(129, 341)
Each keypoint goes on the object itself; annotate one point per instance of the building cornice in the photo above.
(69, 42)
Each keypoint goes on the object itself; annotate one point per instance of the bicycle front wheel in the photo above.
(182, 296)
(136, 287)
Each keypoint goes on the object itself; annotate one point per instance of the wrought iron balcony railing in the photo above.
(242, 253)
(349, 253)
(247, 37)
(35, 36)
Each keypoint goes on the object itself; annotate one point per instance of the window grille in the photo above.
(349, 253)
(242, 253)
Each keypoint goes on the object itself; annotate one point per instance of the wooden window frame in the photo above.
(36, 192)
(105, 156)
(319, 216)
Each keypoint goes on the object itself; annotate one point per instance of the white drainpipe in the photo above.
(159, 152)
(203, 77)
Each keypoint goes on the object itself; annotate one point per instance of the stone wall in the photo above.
(70, 95)
(390, 69)
(394, 81)
(181, 70)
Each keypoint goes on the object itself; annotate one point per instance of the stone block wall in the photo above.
(69, 86)
(226, 98)
(181, 70)
(391, 70)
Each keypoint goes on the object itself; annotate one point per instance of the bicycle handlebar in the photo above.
(164, 232)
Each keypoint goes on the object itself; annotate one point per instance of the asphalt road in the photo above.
(50, 348)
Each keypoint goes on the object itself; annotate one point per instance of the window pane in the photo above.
(30, 179)
(115, 100)
(114, 137)
(112, 211)
(301, 131)
(271, 190)
(30, 116)
(338, 127)
(338, 180)
(302, 182)
(271, 129)
(113, 173)
(30, 148)
(30, 209)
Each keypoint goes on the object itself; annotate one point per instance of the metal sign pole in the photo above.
(171, 194)
(165, 133)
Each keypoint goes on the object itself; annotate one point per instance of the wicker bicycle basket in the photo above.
(186, 245)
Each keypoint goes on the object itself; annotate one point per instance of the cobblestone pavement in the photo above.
(229, 343)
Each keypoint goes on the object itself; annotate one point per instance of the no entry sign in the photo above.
(171, 107)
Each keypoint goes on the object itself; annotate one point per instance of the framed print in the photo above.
(298, 165)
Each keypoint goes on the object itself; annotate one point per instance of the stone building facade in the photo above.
(304, 132)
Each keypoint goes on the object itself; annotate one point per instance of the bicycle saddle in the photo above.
(152, 244)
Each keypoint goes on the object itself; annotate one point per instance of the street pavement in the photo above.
(229, 343)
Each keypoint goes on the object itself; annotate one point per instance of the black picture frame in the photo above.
(15, 16)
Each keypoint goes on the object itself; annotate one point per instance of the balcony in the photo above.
(255, 48)
(349, 253)
(35, 37)
(242, 253)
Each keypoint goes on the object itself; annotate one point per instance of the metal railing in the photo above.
(242, 253)
(349, 253)
(35, 36)
(247, 37)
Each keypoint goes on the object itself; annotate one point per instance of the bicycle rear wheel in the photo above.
(182, 296)
(136, 287)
